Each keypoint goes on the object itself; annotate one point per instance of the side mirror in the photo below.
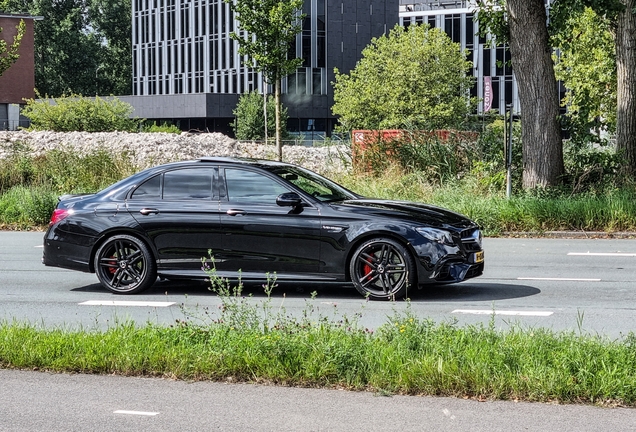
(289, 199)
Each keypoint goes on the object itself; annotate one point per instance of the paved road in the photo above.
(552, 283)
(587, 285)
(33, 401)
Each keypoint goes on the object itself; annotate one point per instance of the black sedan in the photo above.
(257, 217)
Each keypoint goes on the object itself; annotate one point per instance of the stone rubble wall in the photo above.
(149, 149)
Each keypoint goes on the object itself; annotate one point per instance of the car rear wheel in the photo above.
(124, 265)
(382, 269)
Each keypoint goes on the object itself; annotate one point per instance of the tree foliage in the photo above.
(411, 78)
(250, 119)
(586, 64)
(80, 46)
(267, 29)
(79, 114)
(9, 54)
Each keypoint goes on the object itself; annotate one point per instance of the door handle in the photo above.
(235, 212)
(147, 211)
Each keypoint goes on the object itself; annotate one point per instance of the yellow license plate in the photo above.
(478, 257)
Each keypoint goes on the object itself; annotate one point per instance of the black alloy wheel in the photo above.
(124, 265)
(382, 269)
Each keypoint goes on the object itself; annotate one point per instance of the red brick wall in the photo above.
(18, 82)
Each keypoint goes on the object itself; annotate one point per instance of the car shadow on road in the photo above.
(461, 292)
(473, 291)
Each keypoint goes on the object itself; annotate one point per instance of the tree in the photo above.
(111, 20)
(522, 25)
(586, 64)
(267, 29)
(415, 78)
(250, 118)
(622, 17)
(10, 54)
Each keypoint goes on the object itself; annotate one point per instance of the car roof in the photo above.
(242, 160)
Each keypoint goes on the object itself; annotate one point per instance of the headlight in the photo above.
(437, 235)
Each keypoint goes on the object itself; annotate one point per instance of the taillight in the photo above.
(58, 215)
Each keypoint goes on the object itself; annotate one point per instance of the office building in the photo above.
(187, 69)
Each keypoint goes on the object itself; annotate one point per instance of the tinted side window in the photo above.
(151, 188)
(187, 184)
(250, 187)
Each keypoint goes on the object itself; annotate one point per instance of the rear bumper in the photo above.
(62, 251)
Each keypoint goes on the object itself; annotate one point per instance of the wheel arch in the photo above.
(353, 246)
(107, 235)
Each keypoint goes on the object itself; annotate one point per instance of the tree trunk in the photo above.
(279, 146)
(626, 85)
(538, 93)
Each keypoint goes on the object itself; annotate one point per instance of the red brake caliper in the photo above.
(366, 269)
(112, 270)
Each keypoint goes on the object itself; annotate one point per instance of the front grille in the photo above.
(471, 240)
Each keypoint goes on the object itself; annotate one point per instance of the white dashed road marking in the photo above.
(559, 279)
(612, 254)
(501, 312)
(125, 303)
(142, 413)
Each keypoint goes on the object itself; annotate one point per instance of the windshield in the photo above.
(313, 184)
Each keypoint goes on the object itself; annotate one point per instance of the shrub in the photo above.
(249, 121)
(164, 127)
(27, 206)
(79, 114)
(436, 156)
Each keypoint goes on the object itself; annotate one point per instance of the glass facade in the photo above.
(184, 47)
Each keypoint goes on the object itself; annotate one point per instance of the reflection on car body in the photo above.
(257, 217)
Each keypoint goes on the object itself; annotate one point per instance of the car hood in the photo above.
(417, 212)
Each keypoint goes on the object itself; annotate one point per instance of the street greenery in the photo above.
(246, 339)
(586, 64)
(76, 113)
(249, 122)
(527, 38)
(467, 177)
(413, 78)
(266, 30)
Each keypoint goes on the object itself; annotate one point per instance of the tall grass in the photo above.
(406, 355)
(607, 211)
(65, 171)
(29, 185)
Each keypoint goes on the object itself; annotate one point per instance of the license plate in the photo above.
(478, 257)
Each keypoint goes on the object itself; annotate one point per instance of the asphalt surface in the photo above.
(577, 285)
(36, 401)
(585, 285)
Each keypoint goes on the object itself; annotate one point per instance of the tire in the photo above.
(382, 269)
(125, 265)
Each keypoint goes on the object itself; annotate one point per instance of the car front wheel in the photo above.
(382, 269)
(124, 265)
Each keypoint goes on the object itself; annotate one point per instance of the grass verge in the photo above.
(407, 355)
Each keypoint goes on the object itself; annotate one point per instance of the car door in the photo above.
(179, 211)
(261, 236)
